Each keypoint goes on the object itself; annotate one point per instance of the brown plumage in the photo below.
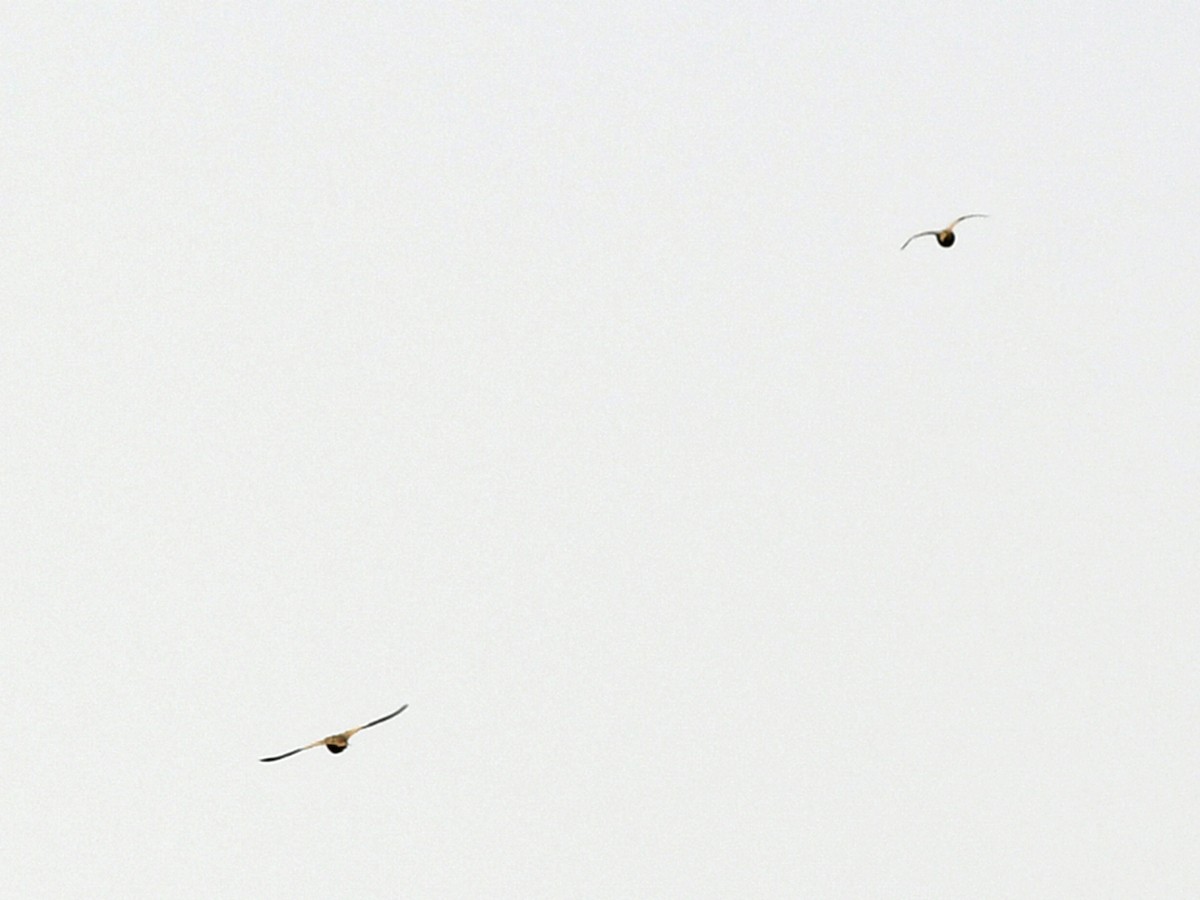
(945, 237)
(335, 743)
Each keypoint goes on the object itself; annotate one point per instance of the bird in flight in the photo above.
(945, 237)
(335, 743)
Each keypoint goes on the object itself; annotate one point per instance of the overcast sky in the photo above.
(557, 371)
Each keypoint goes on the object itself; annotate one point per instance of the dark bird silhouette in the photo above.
(945, 237)
(335, 743)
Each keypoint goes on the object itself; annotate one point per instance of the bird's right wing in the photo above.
(293, 752)
(917, 235)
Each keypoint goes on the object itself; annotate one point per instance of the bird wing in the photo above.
(293, 752)
(917, 235)
(345, 734)
(384, 719)
(968, 216)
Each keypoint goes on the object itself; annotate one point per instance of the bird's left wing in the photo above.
(385, 718)
(968, 216)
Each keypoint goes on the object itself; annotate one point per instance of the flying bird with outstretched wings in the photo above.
(335, 743)
(945, 237)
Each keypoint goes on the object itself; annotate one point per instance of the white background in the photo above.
(559, 373)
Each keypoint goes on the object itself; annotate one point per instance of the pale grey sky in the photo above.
(558, 373)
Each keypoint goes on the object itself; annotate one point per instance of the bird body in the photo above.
(945, 237)
(335, 743)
